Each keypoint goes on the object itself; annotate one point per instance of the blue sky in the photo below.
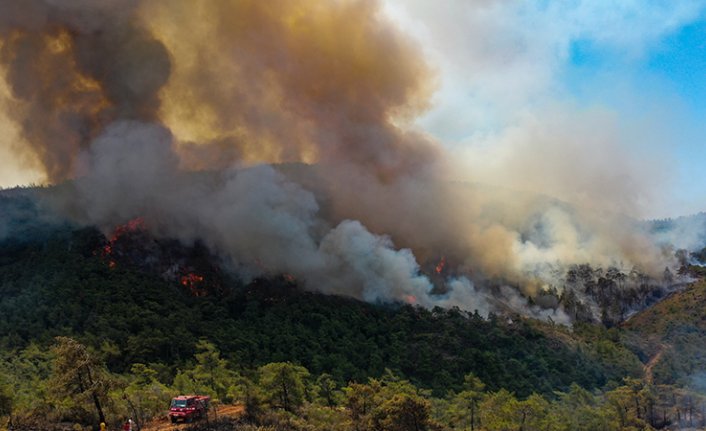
(670, 74)
(557, 97)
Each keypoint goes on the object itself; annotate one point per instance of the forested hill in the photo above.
(153, 318)
(674, 332)
(62, 284)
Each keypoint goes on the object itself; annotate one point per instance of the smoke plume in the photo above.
(298, 113)
(74, 67)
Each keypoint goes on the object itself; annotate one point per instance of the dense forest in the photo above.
(72, 296)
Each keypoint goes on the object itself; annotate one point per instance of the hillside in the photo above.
(675, 329)
(160, 316)
(64, 286)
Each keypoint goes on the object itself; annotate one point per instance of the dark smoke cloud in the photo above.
(127, 96)
(278, 81)
(75, 66)
(256, 217)
(295, 81)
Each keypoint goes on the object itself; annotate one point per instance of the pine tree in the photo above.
(77, 373)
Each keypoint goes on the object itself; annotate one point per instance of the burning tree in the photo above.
(194, 282)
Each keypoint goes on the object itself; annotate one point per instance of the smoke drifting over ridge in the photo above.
(126, 96)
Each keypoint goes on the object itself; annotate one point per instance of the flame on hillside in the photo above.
(130, 98)
(194, 282)
(132, 245)
(439, 268)
(134, 225)
(120, 232)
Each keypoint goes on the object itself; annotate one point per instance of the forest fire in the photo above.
(441, 265)
(194, 282)
(304, 168)
(266, 171)
(134, 225)
(133, 247)
(120, 231)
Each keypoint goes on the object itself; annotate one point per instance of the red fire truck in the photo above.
(188, 407)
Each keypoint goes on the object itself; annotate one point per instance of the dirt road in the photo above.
(163, 424)
(649, 378)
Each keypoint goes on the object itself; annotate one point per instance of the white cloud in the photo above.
(503, 97)
(506, 54)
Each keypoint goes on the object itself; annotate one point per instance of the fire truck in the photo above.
(188, 407)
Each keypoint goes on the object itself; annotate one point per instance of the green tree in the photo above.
(26, 374)
(321, 418)
(327, 389)
(465, 403)
(145, 395)
(361, 400)
(499, 411)
(284, 384)
(250, 394)
(403, 412)
(213, 371)
(580, 410)
(388, 404)
(211, 374)
(535, 415)
(77, 373)
(631, 402)
(6, 399)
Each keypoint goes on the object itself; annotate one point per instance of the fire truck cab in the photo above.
(188, 407)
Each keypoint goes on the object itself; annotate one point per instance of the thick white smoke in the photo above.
(260, 221)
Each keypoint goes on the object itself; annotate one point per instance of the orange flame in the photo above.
(194, 282)
(441, 265)
(134, 225)
(191, 279)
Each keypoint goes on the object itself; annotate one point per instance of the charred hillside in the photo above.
(129, 310)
